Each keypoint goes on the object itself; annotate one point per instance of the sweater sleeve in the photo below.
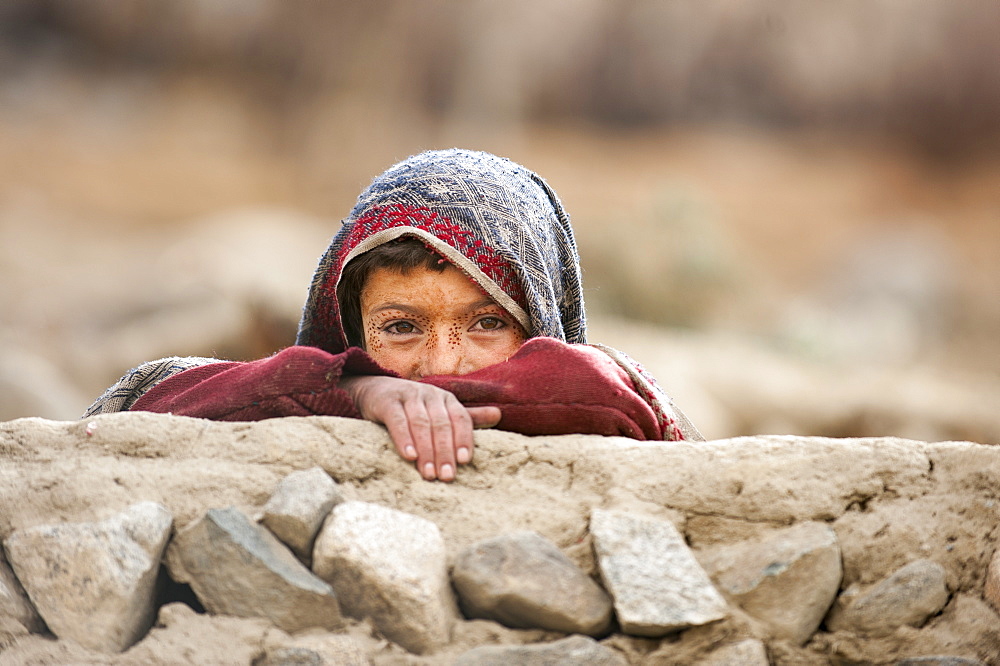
(552, 388)
(547, 388)
(120, 396)
(298, 381)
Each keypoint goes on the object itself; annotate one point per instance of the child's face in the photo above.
(427, 323)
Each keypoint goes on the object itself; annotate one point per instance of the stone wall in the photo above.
(141, 538)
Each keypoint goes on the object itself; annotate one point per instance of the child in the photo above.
(449, 299)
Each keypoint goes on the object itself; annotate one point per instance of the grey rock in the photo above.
(787, 579)
(657, 585)
(95, 583)
(290, 656)
(237, 567)
(572, 650)
(323, 649)
(14, 601)
(390, 567)
(907, 597)
(298, 506)
(749, 652)
(523, 580)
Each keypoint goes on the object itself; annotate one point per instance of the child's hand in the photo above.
(427, 424)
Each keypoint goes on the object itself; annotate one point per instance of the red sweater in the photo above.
(547, 388)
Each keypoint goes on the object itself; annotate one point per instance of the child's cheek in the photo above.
(372, 339)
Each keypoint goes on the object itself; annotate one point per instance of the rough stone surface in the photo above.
(656, 583)
(939, 661)
(183, 636)
(14, 602)
(237, 567)
(890, 502)
(787, 579)
(298, 507)
(572, 650)
(524, 580)
(907, 597)
(323, 649)
(991, 590)
(749, 652)
(390, 567)
(94, 583)
(289, 656)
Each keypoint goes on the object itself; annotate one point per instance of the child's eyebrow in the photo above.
(381, 307)
(485, 303)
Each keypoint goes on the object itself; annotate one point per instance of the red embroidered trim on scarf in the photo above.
(379, 218)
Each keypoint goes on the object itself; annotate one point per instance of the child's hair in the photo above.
(400, 255)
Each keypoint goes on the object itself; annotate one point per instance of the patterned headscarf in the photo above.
(498, 222)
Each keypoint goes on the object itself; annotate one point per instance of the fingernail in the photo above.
(462, 456)
(410, 452)
(447, 472)
(429, 470)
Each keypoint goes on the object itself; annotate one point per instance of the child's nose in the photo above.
(443, 357)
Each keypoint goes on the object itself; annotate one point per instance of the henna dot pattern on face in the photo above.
(424, 322)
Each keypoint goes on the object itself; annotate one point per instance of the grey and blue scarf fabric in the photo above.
(495, 220)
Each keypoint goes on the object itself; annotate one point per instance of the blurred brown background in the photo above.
(790, 211)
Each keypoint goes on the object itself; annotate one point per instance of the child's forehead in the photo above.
(424, 289)
(423, 282)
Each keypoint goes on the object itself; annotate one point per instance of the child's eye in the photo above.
(491, 324)
(400, 328)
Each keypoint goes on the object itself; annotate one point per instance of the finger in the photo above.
(484, 417)
(461, 425)
(398, 426)
(419, 423)
(442, 431)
